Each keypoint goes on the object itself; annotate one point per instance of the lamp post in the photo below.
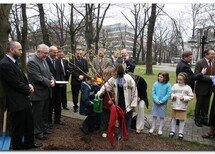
(203, 38)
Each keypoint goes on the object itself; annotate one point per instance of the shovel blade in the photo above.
(5, 142)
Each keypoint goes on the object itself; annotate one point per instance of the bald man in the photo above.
(128, 62)
(18, 89)
(56, 98)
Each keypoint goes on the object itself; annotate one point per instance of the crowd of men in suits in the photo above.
(31, 100)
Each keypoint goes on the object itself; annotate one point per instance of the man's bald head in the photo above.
(53, 50)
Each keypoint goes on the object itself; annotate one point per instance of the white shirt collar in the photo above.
(14, 60)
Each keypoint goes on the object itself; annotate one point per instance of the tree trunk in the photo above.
(4, 32)
(24, 36)
(150, 33)
(4, 27)
(45, 34)
(72, 29)
(89, 30)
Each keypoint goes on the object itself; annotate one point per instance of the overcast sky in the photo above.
(114, 14)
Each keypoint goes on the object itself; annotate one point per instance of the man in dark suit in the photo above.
(18, 90)
(203, 88)
(42, 80)
(184, 66)
(55, 103)
(128, 62)
(78, 67)
(66, 75)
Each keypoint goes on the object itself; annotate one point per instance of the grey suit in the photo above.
(96, 67)
(39, 76)
(203, 90)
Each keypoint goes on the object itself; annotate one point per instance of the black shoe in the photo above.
(75, 110)
(48, 126)
(205, 123)
(208, 136)
(35, 145)
(66, 108)
(41, 137)
(85, 131)
(59, 123)
(47, 132)
(198, 124)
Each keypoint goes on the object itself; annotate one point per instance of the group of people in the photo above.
(32, 100)
(200, 81)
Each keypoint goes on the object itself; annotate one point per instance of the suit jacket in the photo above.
(204, 85)
(96, 68)
(40, 77)
(183, 66)
(130, 64)
(66, 68)
(56, 71)
(15, 85)
(74, 66)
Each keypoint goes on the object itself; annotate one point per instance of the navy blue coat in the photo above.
(87, 96)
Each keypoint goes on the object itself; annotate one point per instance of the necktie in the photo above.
(53, 62)
(44, 65)
(63, 70)
(210, 67)
(101, 62)
(17, 65)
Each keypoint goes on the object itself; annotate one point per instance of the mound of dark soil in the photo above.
(70, 137)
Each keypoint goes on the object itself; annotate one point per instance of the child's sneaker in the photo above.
(160, 132)
(171, 134)
(151, 130)
(104, 135)
(180, 136)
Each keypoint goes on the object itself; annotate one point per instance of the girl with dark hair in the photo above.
(181, 94)
(161, 92)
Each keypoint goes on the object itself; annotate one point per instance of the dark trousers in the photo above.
(212, 114)
(40, 115)
(105, 120)
(55, 104)
(64, 96)
(202, 107)
(89, 123)
(75, 94)
(22, 126)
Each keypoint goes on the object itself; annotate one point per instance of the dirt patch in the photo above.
(70, 137)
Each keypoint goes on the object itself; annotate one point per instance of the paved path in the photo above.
(191, 131)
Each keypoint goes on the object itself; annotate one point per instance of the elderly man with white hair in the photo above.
(41, 78)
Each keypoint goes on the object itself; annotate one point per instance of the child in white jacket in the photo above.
(181, 94)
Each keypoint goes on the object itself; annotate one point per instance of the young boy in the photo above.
(88, 90)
